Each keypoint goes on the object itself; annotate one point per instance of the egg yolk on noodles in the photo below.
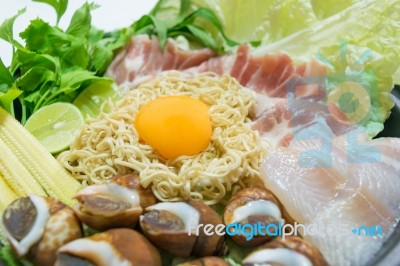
(175, 126)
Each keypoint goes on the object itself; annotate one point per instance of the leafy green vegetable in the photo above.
(101, 57)
(6, 29)
(284, 19)
(396, 76)
(8, 92)
(5, 75)
(7, 98)
(102, 46)
(60, 6)
(236, 253)
(42, 38)
(327, 8)
(7, 255)
(81, 21)
(241, 18)
(369, 54)
(256, 20)
(187, 22)
(55, 65)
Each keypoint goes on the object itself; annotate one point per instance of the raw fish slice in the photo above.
(378, 170)
(340, 246)
(294, 169)
(347, 182)
(362, 208)
(301, 190)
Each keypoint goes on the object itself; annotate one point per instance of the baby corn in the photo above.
(7, 194)
(15, 175)
(37, 164)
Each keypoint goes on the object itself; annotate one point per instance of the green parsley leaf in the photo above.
(6, 29)
(60, 6)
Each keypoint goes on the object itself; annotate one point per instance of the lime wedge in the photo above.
(55, 125)
(91, 99)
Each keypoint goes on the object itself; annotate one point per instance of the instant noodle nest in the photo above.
(109, 145)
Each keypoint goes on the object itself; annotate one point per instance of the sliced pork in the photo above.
(282, 120)
(338, 184)
(143, 57)
(272, 74)
(288, 97)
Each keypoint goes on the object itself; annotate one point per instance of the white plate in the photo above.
(111, 14)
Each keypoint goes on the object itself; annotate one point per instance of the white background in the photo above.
(111, 14)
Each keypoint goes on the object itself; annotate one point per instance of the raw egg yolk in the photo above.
(175, 126)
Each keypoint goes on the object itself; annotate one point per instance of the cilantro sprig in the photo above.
(54, 65)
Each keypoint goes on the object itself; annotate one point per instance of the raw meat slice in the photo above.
(271, 74)
(143, 57)
(282, 120)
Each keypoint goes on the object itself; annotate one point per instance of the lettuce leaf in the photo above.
(396, 76)
(268, 20)
(360, 45)
(327, 8)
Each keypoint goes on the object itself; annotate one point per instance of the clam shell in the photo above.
(123, 247)
(244, 197)
(300, 246)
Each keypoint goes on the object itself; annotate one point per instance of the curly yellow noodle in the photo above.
(109, 144)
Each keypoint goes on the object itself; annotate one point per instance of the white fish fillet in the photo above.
(339, 182)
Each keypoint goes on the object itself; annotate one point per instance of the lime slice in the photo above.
(55, 125)
(91, 99)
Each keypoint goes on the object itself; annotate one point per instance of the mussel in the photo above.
(290, 251)
(115, 204)
(122, 247)
(254, 214)
(177, 228)
(37, 226)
